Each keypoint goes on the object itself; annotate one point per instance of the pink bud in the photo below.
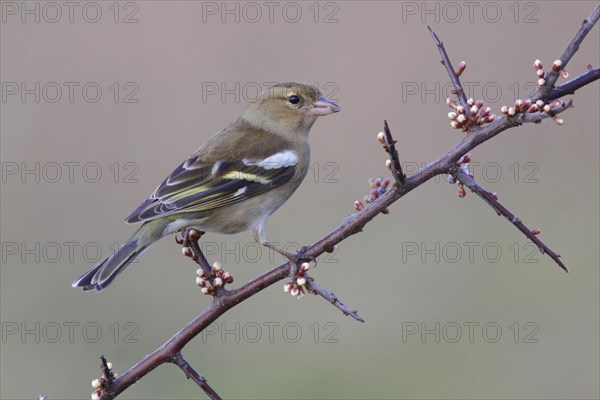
(556, 65)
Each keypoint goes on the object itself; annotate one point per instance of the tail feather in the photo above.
(102, 274)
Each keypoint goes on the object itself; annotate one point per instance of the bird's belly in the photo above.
(233, 218)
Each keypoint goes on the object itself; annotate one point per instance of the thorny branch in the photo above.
(390, 147)
(191, 373)
(446, 164)
(462, 176)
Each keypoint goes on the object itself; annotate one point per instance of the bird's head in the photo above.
(289, 107)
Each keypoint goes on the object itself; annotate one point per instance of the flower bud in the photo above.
(358, 206)
(461, 68)
(556, 65)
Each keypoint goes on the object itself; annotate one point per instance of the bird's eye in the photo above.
(294, 99)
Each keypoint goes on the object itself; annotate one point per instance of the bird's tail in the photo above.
(104, 272)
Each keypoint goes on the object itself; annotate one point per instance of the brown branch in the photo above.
(350, 226)
(571, 86)
(191, 373)
(313, 287)
(568, 53)
(390, 147)
(462, 176)
(460, 92)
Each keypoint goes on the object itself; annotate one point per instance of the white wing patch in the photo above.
(240, 192)
(287, 158)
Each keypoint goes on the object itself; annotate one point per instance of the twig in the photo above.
(460, 93)
(568, 53)
(106, 372)
(489, 198)
(191, 373)
(191, 249)
(571, 86)
(390, 147)
(313, 287)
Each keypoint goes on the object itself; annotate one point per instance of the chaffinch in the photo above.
(231, 184)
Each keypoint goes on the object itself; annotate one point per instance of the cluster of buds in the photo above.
(378, 188)
(461, 118)
(296, 286)
(529, 107)
(217, 278)
(99, 384)
(556, 67)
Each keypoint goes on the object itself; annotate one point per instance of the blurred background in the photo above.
(101, 100)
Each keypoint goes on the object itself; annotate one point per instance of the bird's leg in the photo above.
(259, 236)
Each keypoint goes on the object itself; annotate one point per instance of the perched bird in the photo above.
(231, 184)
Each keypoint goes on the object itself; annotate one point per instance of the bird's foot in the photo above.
(287, 254)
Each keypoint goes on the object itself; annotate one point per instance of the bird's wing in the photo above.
(198, 186)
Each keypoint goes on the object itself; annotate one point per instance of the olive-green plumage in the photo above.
(234, 182)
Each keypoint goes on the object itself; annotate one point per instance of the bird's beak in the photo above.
(324, 106)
